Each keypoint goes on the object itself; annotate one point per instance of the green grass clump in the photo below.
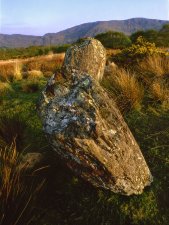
(5, 88)
(30, 86)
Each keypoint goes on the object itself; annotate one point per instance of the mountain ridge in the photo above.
(91, 29)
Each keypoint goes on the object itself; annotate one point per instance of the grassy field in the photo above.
(142, 94)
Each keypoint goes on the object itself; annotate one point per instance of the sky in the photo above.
(37, 17)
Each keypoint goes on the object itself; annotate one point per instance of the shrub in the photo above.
(114, 40)
(137, 52)
(148, 35)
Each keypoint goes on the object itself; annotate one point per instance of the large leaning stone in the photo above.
(85, 127)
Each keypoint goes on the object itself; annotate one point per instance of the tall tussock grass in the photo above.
(154, 73)
(11, 71)
(160, 92)
(155, 65)
(17, 197)
(125, 88)
(12, 127)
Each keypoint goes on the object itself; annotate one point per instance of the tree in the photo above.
(163, 36)
(113, 39)
(149, 35)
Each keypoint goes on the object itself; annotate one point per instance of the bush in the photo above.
(137, 52)
(114, 40)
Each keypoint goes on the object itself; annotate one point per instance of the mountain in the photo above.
(84, 30)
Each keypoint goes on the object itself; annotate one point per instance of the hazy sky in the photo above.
(38, 17)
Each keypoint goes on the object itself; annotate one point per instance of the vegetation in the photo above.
(32, 51)
(141, 91)
(30, 68)
(160, 38)
(138, 52)
(17, 196)
(125, 87)
(115, 40)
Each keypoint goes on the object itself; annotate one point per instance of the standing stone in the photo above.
(85, 127)
(89, 57)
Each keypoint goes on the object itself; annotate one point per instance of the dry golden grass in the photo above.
(155, 65)
(33, 74)
(160, 92)
(124, 85)
(16, 197)
(6, 72)
(44, 63)
(17, 69)
(17, 75)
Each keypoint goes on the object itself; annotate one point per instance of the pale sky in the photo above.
(38, 17)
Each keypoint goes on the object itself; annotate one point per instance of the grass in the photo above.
(125, 87)
(13, 70)
(155, 65)
(68, 200)
(33, 74)
(17, 198)
(31, 86)
(5, 88)
(160, 92)
(12, 128)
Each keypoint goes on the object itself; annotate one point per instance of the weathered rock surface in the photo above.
(85, 127)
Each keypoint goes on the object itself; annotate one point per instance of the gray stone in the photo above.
(89, 57)
(85, 127)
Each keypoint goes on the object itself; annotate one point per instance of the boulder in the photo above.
(85, 127)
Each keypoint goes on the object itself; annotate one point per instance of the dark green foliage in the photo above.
(149, 35)
(163, 36)
(160, 38)
(114, 40)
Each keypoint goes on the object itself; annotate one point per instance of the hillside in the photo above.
(84, 30)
